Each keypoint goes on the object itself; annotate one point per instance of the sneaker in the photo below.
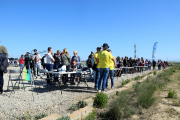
(112, 88)
(98, 91)
(103, 91)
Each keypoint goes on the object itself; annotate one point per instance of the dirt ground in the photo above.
(164, 108)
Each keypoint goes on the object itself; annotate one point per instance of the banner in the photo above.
(154, 50)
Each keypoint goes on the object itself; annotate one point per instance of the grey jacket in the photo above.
(66, 59)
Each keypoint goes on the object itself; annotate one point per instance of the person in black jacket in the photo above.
(125, 62)
(2, 50)
(154, 64)
(56, 63)
(89, 63)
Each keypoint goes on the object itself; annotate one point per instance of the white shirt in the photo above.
(49, 59)
(45, 59)
(37, 57)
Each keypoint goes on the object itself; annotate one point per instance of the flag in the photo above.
(154, 50)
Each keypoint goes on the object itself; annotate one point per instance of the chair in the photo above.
(18, 79)
(44, 71)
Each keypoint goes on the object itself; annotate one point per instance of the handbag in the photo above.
(3, 64)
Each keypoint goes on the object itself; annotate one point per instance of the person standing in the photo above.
(50, 64)
(97, 69)
(65, 59)
(2, 50)
(78, 62)
(57, 59)
(37, 62)
(89, 64)
(154, 64)
(111, 71)
(21, 62)
(56, 63)
(104, 58)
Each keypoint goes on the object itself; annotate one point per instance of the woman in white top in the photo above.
(50, 63)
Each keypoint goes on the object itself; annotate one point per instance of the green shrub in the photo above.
(149, 73)
(82, 104)
(145, 98)
(119, 109)
(172, 94)
(91, 116)
(64, 118)
(154, 72)
(100, 100)
(42, 115)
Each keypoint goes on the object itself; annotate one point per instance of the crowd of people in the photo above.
(100, 65)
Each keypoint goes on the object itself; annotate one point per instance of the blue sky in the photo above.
(83, 25)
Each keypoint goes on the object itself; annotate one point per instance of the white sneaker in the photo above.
(99, 91)
(112, 88)
(103, 91)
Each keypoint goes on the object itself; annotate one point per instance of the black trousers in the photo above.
(1, 81)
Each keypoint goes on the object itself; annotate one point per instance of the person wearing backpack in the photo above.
(89, 63)
(2, 50)
(65, 59)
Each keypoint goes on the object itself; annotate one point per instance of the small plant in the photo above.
(155, 73)
(74, 107)
(124, 82)
(77, 106)
(137, 78)
(64, 118)
(172, 94)
(101, 100)
(149, 73)
(42, 115)
(91, 116)
(82, 104)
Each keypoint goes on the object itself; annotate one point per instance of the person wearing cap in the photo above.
(111, 71)
(96, 69)
(104, 58)
(37, 62)
(21, 62)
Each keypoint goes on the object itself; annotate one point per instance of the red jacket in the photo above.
(141, 64)
(21, 60)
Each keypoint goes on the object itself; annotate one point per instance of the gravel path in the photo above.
(45, 101)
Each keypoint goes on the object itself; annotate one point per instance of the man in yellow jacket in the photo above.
(111, 71)
(104, 58)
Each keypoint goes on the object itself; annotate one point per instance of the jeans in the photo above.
(90, 70)
(56, 75)
(15, 65)
(94, 75)
(45, 66)
(37, 66)
(49, 68)
(111, 73)
(1, 81)
(97, 77)
(103, 77)
(125, 69)
(21, 67)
